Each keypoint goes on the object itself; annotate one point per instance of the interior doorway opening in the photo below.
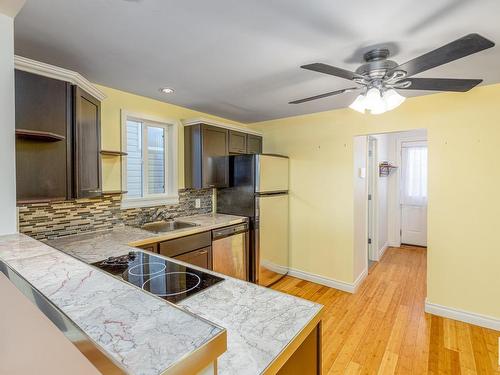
(390, 199)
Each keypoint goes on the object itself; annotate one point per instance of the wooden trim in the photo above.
(113, 153)
(52, 71)
(39, 135)
(202, 120)
(293, 345)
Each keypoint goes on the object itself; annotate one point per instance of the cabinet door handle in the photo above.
(203, 252)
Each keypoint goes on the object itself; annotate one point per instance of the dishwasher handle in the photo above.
(218, 234)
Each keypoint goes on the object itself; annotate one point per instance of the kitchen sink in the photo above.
(166, 226)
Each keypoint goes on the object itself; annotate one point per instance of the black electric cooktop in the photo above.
(159, 276)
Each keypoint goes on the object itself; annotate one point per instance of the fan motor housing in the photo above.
(377, 64)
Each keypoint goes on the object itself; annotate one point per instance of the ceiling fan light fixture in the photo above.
(393, 99)
(374, 101)
(359, 104)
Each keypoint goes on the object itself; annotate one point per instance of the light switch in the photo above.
(197, 203)
(362, 172)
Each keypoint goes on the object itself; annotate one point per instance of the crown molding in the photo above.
(203, 120)
(52, 71)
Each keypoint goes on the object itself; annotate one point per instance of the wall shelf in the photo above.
(385, 168)
(114, 192)
(39, 135)
(113, 153)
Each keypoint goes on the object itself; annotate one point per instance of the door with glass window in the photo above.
(414, 193)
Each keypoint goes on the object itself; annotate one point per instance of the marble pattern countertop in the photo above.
(260, 322)
(93, 247)
(143, 334)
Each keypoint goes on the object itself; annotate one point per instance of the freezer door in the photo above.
(271, 238)
(272, 173)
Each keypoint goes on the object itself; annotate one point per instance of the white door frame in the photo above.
(372, 217)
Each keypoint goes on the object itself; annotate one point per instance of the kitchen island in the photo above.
(263, 328)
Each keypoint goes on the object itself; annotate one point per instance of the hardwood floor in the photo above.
(382, 329)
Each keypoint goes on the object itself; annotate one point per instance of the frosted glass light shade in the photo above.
(393, 99)
(359, 104)
(376, 102)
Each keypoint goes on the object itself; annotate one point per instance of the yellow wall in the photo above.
(464, 185)
(111, 123)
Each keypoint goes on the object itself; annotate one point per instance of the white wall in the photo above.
(7, 126)
(360, 206)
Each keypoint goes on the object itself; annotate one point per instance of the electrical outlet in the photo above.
(197, 203)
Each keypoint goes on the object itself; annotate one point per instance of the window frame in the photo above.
(171, 139)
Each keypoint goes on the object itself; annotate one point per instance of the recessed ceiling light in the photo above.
(167, 90)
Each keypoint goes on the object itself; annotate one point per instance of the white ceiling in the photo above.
(240, 59)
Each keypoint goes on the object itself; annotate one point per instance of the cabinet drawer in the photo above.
(200, 258)
(186, 244)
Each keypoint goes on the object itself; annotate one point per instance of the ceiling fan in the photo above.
(379, 77)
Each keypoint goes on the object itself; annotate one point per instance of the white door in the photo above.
(414, 193)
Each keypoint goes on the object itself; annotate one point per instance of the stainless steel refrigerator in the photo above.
(258, 189)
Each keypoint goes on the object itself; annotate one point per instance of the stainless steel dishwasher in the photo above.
(230, 251)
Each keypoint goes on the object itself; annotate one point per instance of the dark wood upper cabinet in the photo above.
(254, 144)
(57, 140)
(205, 151)
(237, 142)
(214, 149)
(206, 148)
(87, 156)
(43, 138)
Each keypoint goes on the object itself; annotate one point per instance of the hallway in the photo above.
(383, 328)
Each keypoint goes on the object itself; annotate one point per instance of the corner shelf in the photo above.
(39, 135)
(113, 153)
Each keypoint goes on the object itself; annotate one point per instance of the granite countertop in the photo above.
(260, 322)
(143, 334)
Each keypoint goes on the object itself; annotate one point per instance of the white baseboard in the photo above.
(274, 267)
(360, 279)
(326, 281)
(463, 316)
(393, 244)
(382, 251)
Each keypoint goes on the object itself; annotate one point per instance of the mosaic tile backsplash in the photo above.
(57, 219)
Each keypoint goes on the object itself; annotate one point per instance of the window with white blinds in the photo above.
(149, 169)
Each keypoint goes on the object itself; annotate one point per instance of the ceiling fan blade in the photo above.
(441, 84)
(323, 95)
(455, 50)
(331, 70)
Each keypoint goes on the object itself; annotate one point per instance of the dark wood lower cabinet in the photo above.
(201, 258)
(194, 249)
(153, 247)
